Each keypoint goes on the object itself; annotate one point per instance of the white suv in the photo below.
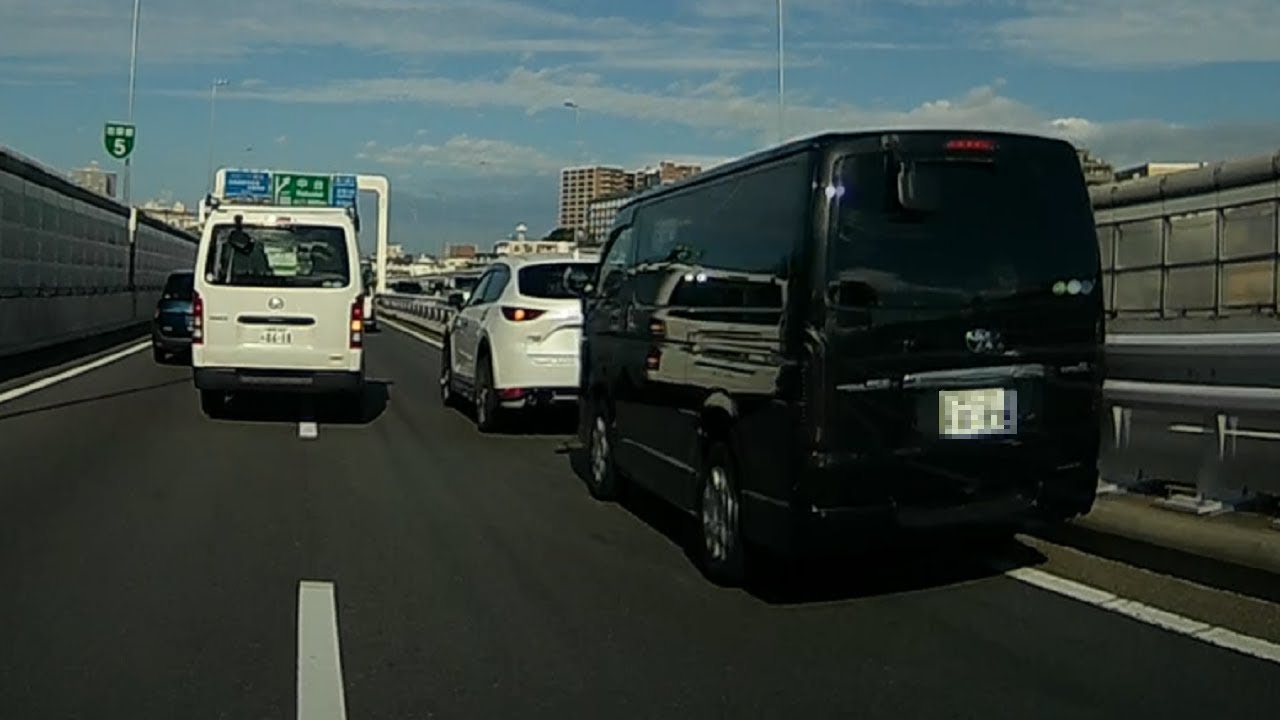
(279, 304)
(515, 342)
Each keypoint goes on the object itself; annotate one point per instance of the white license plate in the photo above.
(277, 337)
(977, 413)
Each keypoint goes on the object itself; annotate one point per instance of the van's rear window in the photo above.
(279, 256)
(975, 227)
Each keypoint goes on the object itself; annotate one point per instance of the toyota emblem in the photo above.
(275, 303)
(981, 341)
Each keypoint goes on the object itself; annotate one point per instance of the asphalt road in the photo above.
(151, 561)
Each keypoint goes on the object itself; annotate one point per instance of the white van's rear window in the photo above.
(279, 256)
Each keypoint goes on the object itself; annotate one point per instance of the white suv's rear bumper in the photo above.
(537, 371)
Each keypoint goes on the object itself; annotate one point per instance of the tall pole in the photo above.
(577, 128)
(213, 109)
(133, 78)
(782, 104)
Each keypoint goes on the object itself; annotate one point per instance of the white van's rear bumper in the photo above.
(286, 381)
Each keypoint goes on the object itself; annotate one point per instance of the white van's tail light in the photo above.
(356, 337)
(197, 319)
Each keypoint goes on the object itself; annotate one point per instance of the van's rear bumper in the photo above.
(809, 523)
(284, 381)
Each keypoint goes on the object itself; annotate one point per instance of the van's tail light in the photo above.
(971, 145)
(517, 314)
(356, 336)
(197, 319)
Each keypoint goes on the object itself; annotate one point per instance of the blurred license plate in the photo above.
(276, 337)
(977, 413)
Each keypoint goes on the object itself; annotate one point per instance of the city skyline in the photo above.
(467, 107)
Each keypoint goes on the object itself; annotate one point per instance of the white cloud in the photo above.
(721, 105)
(91, 36)
(472, 155)
(709, 36)
(1145, 32)
(281, 140)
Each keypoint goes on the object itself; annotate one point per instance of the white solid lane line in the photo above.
(1222, 637)
(308, 430)
(414, 333)
(320, 693)
(69, 373)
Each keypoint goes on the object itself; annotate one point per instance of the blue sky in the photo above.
(460, 103)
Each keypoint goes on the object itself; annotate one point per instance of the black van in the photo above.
(852, 333)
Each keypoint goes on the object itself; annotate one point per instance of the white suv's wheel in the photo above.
(447, 396)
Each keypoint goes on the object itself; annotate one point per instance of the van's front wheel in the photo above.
(722, 548)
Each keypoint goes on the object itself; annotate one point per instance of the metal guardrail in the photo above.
(429, 310)
(1200, 411)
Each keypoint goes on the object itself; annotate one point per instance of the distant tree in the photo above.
(560, 234)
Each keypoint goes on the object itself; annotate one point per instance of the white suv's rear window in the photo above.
(280, 256)
(550, 280)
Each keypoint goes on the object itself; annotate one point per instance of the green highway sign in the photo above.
(297, 189)
(118, 139)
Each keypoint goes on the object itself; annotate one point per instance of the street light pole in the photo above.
(782, 107)
(133, 77)
(213, 109)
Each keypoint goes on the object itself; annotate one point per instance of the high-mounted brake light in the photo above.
(356, 337)
(971, 145)
(515, 314)
(197, 319)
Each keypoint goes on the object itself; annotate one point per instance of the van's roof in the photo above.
(256, 209)
(818, 140)
(325, 216)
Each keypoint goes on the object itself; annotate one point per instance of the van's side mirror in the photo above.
(611, 282)
(455, 300)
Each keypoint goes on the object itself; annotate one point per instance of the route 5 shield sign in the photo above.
(118, 139)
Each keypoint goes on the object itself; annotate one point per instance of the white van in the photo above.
(279, 304)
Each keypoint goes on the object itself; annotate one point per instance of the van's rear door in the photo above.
(963, 302)
(281, 298)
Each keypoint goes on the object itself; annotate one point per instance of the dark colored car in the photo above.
(850, 336)
(171, 325)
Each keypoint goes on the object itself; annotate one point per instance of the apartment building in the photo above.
(580, 187)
